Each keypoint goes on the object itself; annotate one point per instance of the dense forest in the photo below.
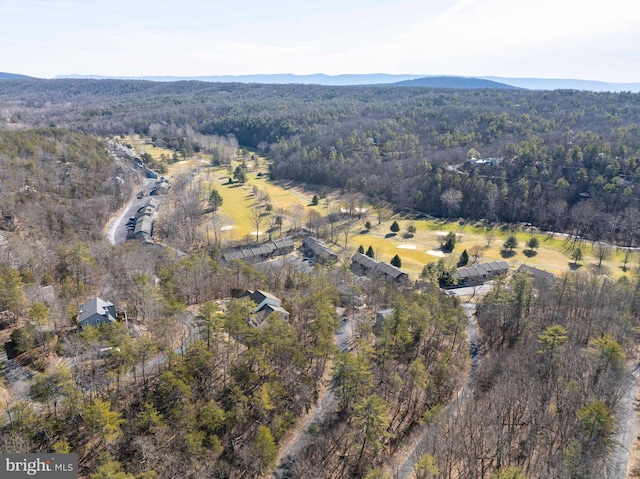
(567, 160)
(196, 392)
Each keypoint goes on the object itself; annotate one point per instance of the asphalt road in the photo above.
(325, 406)
(628, 427)
(406, 469)
(118, 230)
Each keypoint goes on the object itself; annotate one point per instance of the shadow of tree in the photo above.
(530, 253)
(505, 253)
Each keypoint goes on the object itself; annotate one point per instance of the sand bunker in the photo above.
(226, 228)
(406, 246)
(433, 252)
(256, 233)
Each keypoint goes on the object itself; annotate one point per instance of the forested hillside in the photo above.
(185, 386)
(567, 160)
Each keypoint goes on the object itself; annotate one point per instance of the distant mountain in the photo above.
(285, 78)
(566, 84)
(387, 79)
(455, 82)
(12, 76)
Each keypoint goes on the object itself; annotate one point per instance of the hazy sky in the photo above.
(584, 39)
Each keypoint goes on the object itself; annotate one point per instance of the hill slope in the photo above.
(455, 82)
(566, 84)
(12, 76)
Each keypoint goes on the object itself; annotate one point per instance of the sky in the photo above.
(577, 39)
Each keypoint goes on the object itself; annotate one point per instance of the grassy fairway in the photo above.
(238, 200)
(423, 247)
(553, 255)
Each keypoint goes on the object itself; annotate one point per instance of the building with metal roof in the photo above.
(480, 273)
(363, 265)
(261, 252)
(318, 250)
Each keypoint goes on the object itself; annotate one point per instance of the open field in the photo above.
(423, 247)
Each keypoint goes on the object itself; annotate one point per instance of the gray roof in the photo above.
(389, 270)
(258, 296)
(283, 243)
(146, 210)
(277, 247)
(275, 309)
(482, 269)
(143, 225)
(538, 274)
(386, 312)
(364, 261)
(318, 248)
(94, 306)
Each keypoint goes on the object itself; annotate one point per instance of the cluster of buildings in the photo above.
(140, 226)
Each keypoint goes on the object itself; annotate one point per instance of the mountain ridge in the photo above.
(377, 79)
(455, 82)
(13, 76)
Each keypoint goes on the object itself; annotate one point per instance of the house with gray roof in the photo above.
(318, 251)
(539, 276)
(95, 312)
(266, 305)
(362, 265)
(390, 272)
(261, 252)
(480, 273)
